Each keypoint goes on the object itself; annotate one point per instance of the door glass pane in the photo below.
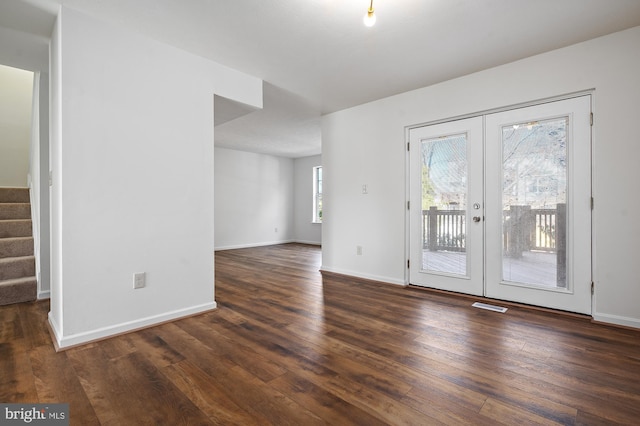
(534, 197)
(444, 204)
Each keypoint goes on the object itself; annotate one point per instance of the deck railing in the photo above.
(524, 229)
(444, 229)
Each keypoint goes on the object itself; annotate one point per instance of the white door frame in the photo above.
(568, 96)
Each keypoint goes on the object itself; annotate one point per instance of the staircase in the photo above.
(17, 263)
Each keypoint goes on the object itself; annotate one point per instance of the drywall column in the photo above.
(133, 178)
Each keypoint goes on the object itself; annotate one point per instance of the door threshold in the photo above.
(487, 300)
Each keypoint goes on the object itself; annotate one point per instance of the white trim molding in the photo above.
(385, 280)
(66, 342)
(616, 320)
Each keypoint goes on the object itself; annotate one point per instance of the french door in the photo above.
(501, 205)
(446, 190)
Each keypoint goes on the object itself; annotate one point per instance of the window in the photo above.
(317, 194)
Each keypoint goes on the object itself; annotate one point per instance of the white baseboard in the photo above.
(66, 342)
(311, 243)
(44, 295)
(371, 277)
(55, 328)
(616, 320)
(249, 245)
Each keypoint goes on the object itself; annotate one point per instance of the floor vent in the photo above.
(490, 307)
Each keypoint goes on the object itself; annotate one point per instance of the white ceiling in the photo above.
(316, 56)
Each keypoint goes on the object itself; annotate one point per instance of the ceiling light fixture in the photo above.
(370, 17)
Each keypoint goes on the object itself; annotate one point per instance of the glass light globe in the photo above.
(369, 18)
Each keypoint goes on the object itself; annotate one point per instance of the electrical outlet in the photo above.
(139, 280)
(359, 250)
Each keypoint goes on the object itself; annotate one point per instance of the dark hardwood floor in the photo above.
(287, 347)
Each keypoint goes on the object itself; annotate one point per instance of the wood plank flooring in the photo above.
(287, 347)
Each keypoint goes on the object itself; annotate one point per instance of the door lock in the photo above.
(476, 218)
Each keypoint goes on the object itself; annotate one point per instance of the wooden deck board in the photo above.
(534, 267)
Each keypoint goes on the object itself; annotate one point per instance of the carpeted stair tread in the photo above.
(16, 247)
(11, 228)
(17, 267)
(17, 264)
(18, 290)
(14, 195)
(15, 211)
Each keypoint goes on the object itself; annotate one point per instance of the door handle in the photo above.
(476, 218)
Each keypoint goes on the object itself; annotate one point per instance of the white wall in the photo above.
(22, 50)
(39, 182)
(375, 155)
(133, 178)
(31, 52)
(16, 88)
(257, 193)
(305, 231)
(56, 317)
(254, 199)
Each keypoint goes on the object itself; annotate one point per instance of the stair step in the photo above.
(14, 195)
(18, 290)
(17, 267)
(15, 211)
(11, 228)
(17, 263)
(16, 247)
